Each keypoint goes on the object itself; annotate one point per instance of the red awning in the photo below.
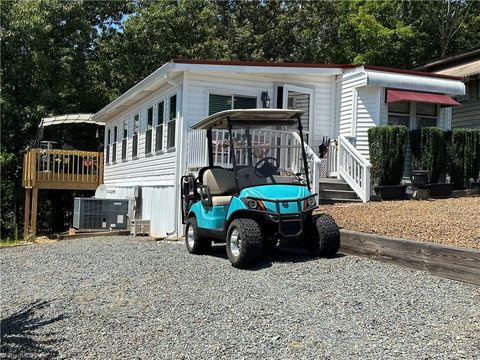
(398, 95)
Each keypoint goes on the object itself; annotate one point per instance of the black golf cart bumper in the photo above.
(289, 224)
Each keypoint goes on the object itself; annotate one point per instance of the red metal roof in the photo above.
(261, 63)
(310, 65)
(398, 95)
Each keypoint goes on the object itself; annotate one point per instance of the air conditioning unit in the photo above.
(90, 214)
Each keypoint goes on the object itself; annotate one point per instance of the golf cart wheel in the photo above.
(326, 236)
(195, 243)
(244, 242)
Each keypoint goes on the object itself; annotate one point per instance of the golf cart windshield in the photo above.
(261, 146)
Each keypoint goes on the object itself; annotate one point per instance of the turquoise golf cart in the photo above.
(260, 197)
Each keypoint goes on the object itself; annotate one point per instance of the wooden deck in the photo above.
(57, 170)
(62, 169)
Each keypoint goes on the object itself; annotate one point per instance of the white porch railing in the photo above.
(314, 163)
(332, 159)
(353, 168)
(263, 142)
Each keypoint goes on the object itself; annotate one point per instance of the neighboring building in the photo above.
(149, 144)
(466, 66)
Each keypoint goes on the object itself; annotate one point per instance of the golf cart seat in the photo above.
(221, 183)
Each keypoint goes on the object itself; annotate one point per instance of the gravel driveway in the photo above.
(125, 297)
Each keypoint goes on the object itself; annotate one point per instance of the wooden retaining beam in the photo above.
(93, 234)
(451, 262)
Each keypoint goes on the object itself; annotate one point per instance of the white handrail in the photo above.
(313, 163)
(354, 168)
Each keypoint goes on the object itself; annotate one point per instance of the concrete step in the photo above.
(337, 200)
(337, 194)
(333, 184)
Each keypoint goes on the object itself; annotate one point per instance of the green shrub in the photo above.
(387, 145)
(429, 151)
(464, 156)
(433, 153)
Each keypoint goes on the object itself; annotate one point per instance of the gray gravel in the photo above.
(124, 297)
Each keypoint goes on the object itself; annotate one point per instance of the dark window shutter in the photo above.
(217, 103)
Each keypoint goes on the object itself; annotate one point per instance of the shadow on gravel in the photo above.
(279, 255)
(19, 339)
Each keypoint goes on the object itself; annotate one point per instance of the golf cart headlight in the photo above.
(252, 204)
(311, 201)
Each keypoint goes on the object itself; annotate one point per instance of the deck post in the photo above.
(26, 225)
(34, 211)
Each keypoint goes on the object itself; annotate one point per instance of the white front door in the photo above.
(300, 98)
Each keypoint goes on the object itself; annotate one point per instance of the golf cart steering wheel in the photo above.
(266, 167)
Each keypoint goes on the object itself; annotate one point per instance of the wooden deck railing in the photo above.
(62, 169)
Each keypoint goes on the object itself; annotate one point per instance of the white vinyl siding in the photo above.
(201, 85)
(367, 116)
(157, 169)
(348, 103)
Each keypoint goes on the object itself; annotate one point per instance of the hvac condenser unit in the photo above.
(100, 214)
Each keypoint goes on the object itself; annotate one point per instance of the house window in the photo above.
(217, 103)
(159, 127)
(172, 117)
(114, 145)
(124, 140)
(107, 148)
(136, 120)
(399, 113)
(426, 115)
(148, 133)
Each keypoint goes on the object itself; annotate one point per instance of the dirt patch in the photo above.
(447, 221)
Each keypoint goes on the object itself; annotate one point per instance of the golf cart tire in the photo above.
(200, 244)
(326, 241)
(251, 243)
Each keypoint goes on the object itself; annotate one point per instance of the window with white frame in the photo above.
(124, 140)
(172, 117)
(114, 145)
(149, 131)
(426, 115)
(159, 126)
(222, 102)
(399, 113)
(136, 124)
(107, 148)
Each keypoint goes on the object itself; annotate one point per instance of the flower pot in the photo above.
(419, 179)
(440, 190)
(392, 192)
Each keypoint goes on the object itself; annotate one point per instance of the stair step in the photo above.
(337, 194)
(337, 200)
(333, 184)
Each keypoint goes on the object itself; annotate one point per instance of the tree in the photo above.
(46, 53)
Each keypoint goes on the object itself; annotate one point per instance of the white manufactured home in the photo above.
(149, 144)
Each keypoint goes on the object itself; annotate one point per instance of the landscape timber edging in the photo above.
(456, 263)
(93, 234)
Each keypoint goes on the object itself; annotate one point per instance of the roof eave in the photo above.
(146, 86)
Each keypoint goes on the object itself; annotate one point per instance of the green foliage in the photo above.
(387, 146)
(464, 156)
(433, 153)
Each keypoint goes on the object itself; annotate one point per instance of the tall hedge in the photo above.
(429, 151)
(387, 146)
(464, 156)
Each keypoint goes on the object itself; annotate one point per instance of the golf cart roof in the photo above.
(248, 117)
